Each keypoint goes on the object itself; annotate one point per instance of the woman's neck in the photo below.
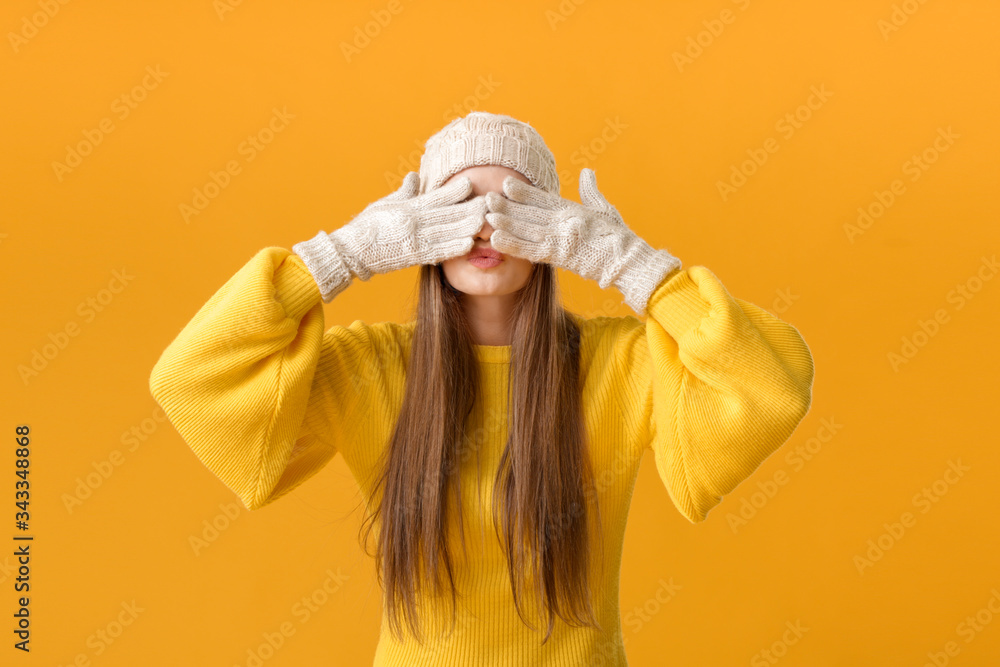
(489, 317)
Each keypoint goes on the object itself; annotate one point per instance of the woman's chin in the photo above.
(475, 282)
(509, 276)
(483, 287)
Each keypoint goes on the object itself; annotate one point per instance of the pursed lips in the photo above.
(484, 251)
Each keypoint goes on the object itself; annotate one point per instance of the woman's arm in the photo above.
(722, 383)
(240, 381)
(259, 392)
(716, 384)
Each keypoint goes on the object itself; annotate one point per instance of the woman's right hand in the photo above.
(404, 229)
(400, 230)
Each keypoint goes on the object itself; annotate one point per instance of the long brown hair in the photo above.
(542, 486)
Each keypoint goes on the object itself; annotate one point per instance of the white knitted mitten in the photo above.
(400, 230)
(589, 239)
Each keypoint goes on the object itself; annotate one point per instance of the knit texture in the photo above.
(483, 138)
(265, 395)
(588, 238)
(400, 230)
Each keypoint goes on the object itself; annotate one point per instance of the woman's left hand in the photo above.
(590, 239)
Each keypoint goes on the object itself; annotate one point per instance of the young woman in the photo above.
(496, 436)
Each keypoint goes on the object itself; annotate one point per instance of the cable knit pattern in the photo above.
(265, 395)
(588, 238)
(400, 230)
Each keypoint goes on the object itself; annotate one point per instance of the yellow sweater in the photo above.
(265, 395)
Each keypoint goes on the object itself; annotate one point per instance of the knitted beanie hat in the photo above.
(482, 138)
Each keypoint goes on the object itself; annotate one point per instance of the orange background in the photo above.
(603, 85)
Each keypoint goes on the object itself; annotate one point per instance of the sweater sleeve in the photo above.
(719, 382)
(240, 381)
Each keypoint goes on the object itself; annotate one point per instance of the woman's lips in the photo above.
(485, 258)
(484, 262)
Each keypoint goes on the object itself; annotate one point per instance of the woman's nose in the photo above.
(485, 231)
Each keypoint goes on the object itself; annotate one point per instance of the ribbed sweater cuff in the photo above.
(677, 304)
(294, 287)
